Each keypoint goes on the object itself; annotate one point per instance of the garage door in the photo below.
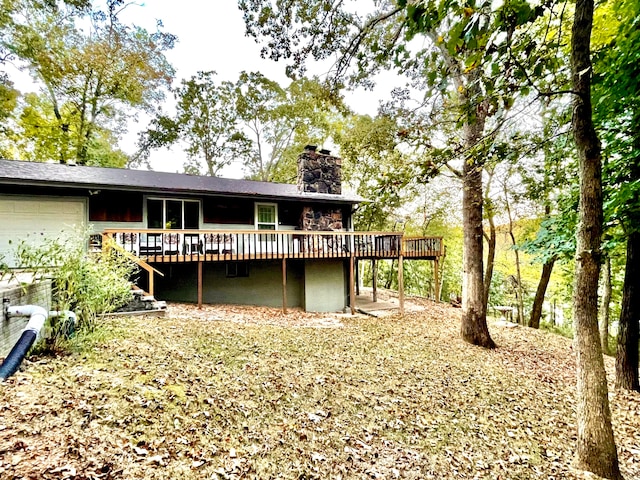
(32, 219)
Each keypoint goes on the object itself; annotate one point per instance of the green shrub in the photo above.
(87, 283)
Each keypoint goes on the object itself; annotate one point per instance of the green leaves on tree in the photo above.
(92, 70)
(375, 164)
(280, 121)
(617, 110)
(206, 120)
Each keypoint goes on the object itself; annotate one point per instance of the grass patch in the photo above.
(393, 398)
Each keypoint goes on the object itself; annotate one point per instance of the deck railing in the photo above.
(423, 247)
(221, 245)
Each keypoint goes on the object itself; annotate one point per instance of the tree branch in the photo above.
(354, 45)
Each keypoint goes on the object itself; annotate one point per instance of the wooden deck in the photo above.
(182, 246)
(149, 247)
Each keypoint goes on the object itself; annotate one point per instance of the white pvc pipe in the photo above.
(63, 313)
(38, 316)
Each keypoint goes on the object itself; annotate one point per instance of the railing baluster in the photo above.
(211, 245)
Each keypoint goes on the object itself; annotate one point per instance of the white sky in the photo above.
(211, 37)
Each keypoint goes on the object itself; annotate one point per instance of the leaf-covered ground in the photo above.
(234, 392)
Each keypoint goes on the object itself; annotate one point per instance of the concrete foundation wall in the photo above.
(325, 286)
(11, 328)
(263, 285)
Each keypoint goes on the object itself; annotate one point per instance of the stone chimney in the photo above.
(319, 172)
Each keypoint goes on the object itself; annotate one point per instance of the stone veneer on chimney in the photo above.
(321, 219)
(319, 172)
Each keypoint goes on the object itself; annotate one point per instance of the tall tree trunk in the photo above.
(627, 354)
(474, 327)
(491, 256)
(604, 305)
(520, 288)
(536, 309)
(491, 241)
(596, 449)
(64, 147)
(518, 285)
(545, 276)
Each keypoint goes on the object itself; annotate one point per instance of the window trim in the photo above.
(255, 214)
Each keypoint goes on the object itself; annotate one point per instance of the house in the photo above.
(206, 239)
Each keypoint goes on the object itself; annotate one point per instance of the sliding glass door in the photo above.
(171, 214)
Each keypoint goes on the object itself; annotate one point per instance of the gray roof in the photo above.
(55, 174)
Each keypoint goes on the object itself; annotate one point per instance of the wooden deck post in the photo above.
(374, 279)
(436, 279)
(352, 290)
(357, 277)
(150, 286)
(401, 285)
(199, 284)
(284, 285)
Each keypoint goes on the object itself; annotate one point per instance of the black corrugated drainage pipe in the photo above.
(38, 316)
(69, 315)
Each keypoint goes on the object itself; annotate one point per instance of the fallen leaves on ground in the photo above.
(240, 392)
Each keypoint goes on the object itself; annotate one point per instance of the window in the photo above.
(237, 269)
(173, 214)
(266, 216)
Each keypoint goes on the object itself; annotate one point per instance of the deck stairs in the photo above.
(142, 303)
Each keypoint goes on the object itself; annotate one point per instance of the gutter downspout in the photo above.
(38, 316)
